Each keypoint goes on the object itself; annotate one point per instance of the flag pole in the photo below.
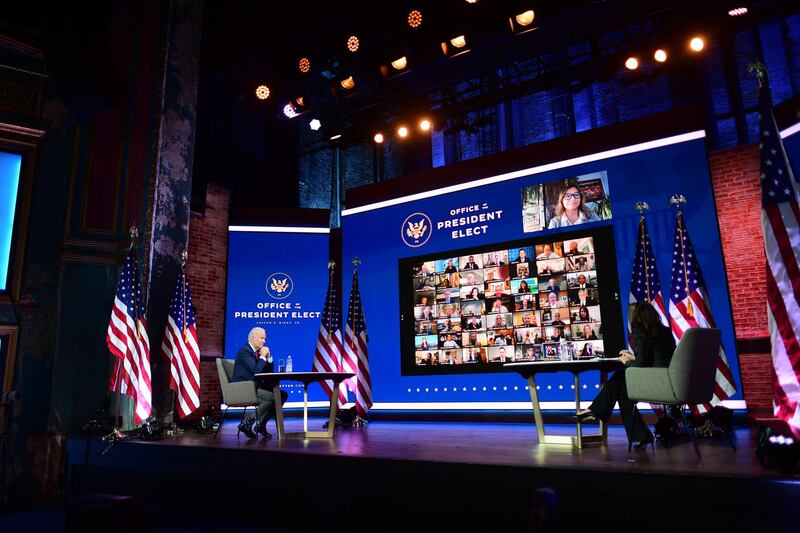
(133, 233)
(677, 200)
(642, 207)
(357, 421)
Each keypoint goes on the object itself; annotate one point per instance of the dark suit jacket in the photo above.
(652, 351)
(247, 365)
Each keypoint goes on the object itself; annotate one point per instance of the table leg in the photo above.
(334, 408)
(537, 410)
(603, 425)
(276, 391)
(305, 407)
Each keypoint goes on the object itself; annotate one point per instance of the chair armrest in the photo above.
(239, 394)
(650, 385)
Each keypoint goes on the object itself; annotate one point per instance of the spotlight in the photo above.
(459, 42)
(348, 83)
(455, 46)
(337, 136)
(425, 124)
(472, 1)
(352, 43)
(315, 124)
(262, 92)
(737, 11)
(289, 110)
(400, 63)
(415, 19)
(631, 63)
(305, 65)
(521, 23)
(402, 131)
(660, 55)
(378, 138)
(697, 44)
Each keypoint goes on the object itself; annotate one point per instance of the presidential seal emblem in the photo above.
(279, 285)
(416, 229)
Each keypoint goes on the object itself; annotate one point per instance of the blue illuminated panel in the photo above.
(10, 165)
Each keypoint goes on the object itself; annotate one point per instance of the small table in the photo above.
(528, 370)
(273, 380)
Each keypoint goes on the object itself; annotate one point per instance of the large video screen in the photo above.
(549, 299)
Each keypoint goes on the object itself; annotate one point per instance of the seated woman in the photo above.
(653, 346)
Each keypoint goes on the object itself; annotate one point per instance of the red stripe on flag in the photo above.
(785, 246)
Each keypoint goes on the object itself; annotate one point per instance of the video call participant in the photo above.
(588, 333)
(474, 294)
(251, 359)
(523, 287)
(498, 307)
(582, 297)
(557, 319)
(552, 300)
(553, 285)
(653, 346)
(573, 248)
(571, 210)
(548, 253)
(522, 258)
(450, 268)
(474, 323)
(470, 264)
(583, 314)
(501, 355)
(582, 282)
(449, 343)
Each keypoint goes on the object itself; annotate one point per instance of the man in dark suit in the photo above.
(471, 264)
(254, 358)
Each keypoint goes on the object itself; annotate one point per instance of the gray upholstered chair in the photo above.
(689, 379)
(238, 394)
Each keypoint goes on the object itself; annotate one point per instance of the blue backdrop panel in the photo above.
(10, 165)
(277, 281)
(792, 146)
(377, 237)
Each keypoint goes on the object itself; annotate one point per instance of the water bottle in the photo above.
(281, 366)
(289, 364)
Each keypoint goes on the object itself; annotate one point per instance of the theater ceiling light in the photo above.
(402, 131)
(378, 138)
(631, 63)
(455, 46)
(305, 65)
(400, 63)
(315, 124)
(262, 92)
(660, 55)
(289, 110)
(415, 19)
(425, 124)
(337, 136)
(352, 43)
(697, 44)
(522, 22)
(737, 11)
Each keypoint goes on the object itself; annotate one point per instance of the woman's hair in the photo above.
(642, 315)
(581, 310)
(560, 205)
(474, 290)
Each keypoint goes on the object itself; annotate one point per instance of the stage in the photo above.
(433, 475)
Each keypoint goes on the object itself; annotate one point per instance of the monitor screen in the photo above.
(10, 166)
(553, 298)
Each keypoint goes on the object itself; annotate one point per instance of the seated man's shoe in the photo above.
(584, 415)
(644, 443)
(246, 427)
(263, 431)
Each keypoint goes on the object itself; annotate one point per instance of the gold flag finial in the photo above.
(760, 70)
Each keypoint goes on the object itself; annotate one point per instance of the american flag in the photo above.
(690, 308)
(328, 354)
(127, 339)
(645, 285)
(779, 223)
(355, 341)
(180, 347)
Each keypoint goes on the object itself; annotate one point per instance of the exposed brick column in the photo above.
(737, 189)
(207, 269)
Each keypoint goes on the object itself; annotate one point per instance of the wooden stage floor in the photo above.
(468, 476)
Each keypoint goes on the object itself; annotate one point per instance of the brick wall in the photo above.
(208, 249)
(734, 175)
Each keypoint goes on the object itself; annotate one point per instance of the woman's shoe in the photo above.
(644, 443)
